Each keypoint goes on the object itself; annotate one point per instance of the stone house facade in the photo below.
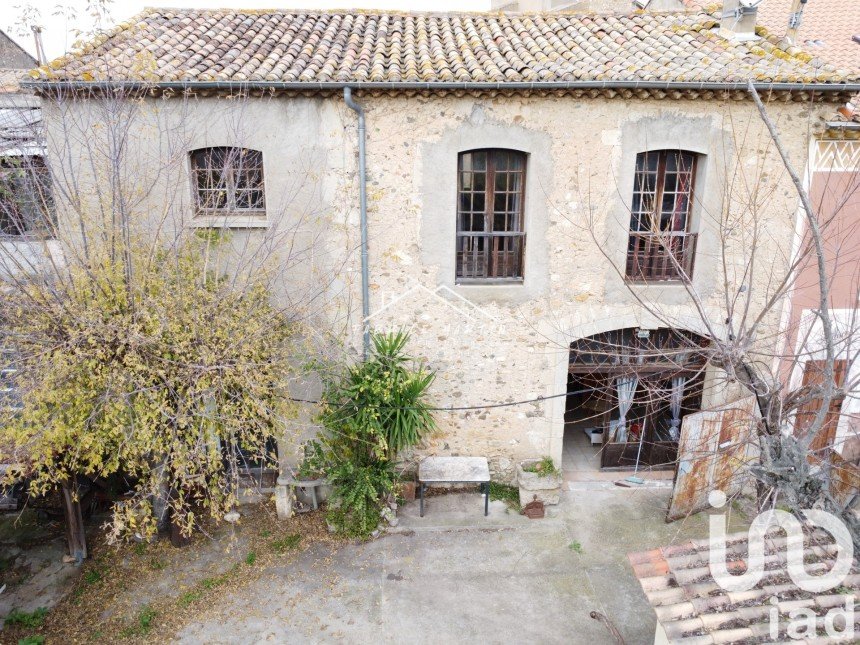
(504, 156)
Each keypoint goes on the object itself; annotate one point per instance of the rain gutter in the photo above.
(362, 191)
(328, 86)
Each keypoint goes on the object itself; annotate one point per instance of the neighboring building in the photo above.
(499, 150)
(23, 178)
(13, 56)
(20, 125)
(602, 6)
(830, 30)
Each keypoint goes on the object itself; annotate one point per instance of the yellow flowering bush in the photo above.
(166, 374)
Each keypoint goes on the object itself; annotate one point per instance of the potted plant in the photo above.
(539, 479)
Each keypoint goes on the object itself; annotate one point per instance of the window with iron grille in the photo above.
(9, 395)
(26, 206)
(228, 180)
(490, 233)
(660, 245)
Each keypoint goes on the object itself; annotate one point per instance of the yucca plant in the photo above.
(386, 395)
(374, 411)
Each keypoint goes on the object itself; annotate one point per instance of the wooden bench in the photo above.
(454, 470)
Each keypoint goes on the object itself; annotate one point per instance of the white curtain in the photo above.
(626, 386)
(678, 383)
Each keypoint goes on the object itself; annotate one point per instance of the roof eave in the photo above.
(843, 125)
(328, 86)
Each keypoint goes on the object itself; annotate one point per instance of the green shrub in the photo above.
(505, 493)
(545, 467)
(189, 597)
(376, 409)
(35, 639)
(28, 619)
(360, 492)
(286, 544)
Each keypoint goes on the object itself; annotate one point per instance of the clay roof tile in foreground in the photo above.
(187, 45)
(692, 608)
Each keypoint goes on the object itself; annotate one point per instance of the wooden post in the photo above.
(76, 537)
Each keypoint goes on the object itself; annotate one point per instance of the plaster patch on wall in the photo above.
(611, 137)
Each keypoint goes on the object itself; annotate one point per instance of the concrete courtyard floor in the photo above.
(455, 576)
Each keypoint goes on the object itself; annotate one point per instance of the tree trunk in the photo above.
(176, 537)
(75, 534)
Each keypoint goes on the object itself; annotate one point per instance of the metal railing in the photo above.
(660, 256)
(490, 256)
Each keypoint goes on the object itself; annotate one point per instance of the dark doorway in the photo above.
(628, 391)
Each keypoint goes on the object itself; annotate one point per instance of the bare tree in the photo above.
(751, 337)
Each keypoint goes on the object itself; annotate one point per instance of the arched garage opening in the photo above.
(628, 390)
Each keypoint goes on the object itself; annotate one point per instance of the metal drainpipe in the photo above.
(362, 191)
(795, 17)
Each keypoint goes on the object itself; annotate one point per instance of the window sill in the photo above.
(229, 221)
(674, 282)
(490, 282)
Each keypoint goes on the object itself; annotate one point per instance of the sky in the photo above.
(60, 18)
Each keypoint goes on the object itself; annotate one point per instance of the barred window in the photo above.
(490, 232)
(663, 190)
(228, 180)
(9, 395)
(660, 246)
(26, 205)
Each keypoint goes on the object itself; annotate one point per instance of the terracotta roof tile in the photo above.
(692, 608)
(226, 45)
(826, 30)
(9, 79)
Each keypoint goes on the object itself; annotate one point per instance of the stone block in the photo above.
(546, 489)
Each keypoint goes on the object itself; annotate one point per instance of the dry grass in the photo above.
(144, 593)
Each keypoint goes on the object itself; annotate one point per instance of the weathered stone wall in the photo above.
(504, 343)
(579, 186)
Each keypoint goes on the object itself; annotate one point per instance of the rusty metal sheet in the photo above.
(713, 450)
(845, 479)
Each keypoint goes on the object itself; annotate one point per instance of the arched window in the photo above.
(490, 232)
(661, 246)
(228, 180)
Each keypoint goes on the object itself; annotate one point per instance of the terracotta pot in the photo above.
(534, 510)
(407, 490)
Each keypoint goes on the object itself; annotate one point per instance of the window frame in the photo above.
(661, 245)
(231, 214)
(36, 174)
(491, 172)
